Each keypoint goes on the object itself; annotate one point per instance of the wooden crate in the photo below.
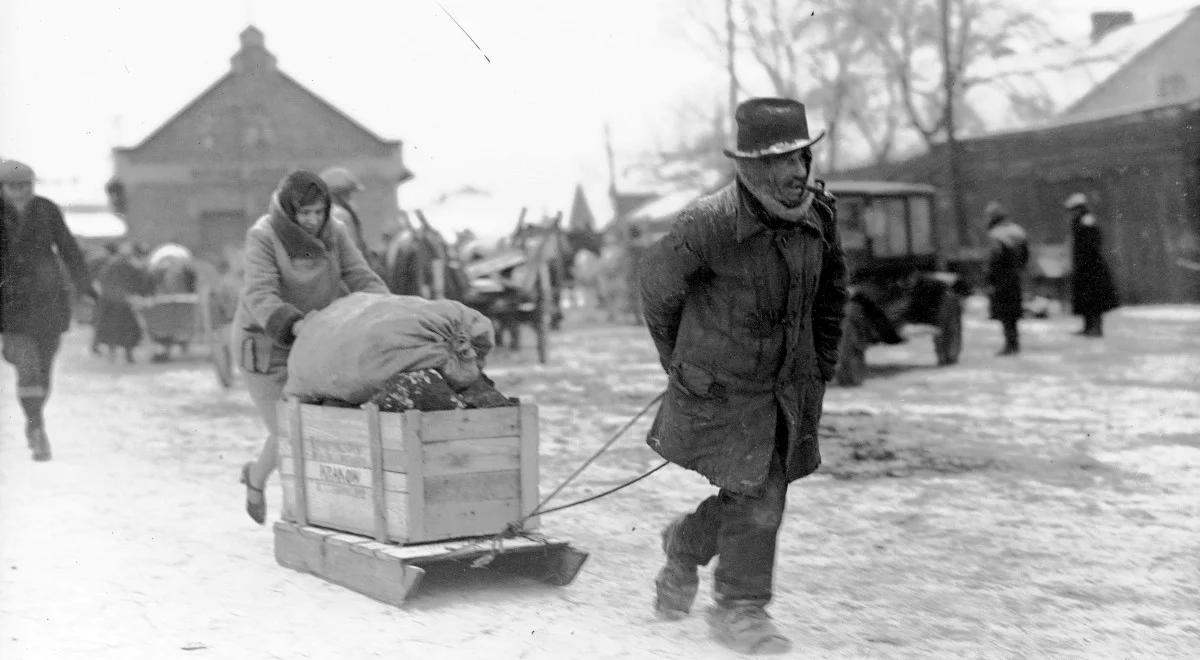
(410, 477)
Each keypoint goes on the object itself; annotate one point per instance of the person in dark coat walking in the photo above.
(744, 301)
(116, 324)
(1008, 254)
(35, 301)
(1092, 290)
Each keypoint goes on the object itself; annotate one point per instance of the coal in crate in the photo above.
(377, 491)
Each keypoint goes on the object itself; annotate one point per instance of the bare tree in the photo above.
(929, 49)
(798, 50)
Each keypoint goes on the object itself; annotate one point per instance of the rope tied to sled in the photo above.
(517, 527)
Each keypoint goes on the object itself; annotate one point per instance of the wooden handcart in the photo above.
(184, 319)
(373, 498)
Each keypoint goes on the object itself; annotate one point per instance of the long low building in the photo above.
(202, 177)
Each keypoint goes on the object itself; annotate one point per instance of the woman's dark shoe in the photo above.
(256, 501)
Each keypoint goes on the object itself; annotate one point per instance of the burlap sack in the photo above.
(349, 349)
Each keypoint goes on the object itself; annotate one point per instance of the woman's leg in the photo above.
(266, 390)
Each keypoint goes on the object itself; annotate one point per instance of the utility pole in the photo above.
(948, 83)
(624, 233)
(729, 50)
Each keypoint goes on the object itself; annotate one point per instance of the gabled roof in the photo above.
(254, 52)
(1026, 89)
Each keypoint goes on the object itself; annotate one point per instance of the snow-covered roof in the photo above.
(1026, 89)
(90, 223)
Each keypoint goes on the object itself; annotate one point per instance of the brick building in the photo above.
(205, 175)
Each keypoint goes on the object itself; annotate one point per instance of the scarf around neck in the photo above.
(296, 241)
(773, 206)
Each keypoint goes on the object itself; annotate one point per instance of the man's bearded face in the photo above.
(783, 177)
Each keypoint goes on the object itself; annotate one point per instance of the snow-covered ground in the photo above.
(1038, 506)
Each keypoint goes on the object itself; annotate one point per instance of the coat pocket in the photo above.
(255, 352)
(695, 393)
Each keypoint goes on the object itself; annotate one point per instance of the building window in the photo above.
(1172, 86)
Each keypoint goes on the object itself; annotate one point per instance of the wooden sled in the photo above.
(372, 497)
(391, 573)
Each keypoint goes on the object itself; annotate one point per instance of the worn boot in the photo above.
(746, 628)
(39, 444)
(677, 582)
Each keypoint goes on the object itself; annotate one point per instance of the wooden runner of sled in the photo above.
(391, 573)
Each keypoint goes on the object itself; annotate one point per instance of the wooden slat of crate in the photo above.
(473, 487)
(477, 455)
(348, 425)
(446, 520)
(345, 453)
(446, 425)
(349, 508)
(530, 469)
(394, 482)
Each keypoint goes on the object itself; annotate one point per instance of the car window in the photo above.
(921, 225)
(850, 223)
(892, 238)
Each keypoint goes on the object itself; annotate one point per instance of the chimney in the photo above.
(253, 57)
(1104, 22)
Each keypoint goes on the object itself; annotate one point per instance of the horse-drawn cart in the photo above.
(513, 288)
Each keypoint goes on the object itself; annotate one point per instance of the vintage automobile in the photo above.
(888, 231)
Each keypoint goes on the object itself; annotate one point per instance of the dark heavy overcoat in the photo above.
(34, 296)
(115, 321)
(1008, 253)
(746, 313)
(1092, 289)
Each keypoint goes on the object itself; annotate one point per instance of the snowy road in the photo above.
(1040, 506)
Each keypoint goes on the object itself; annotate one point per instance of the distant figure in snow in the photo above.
(1008, 254)
(1092, 289)
(35, 301)
(120, 280)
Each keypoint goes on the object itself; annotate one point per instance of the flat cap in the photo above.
(14, 171)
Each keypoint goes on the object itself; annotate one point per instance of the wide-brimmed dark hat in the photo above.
(770, 126)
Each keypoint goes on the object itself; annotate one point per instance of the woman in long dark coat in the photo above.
(1092, 290)
(1007, 256)
(116, 324)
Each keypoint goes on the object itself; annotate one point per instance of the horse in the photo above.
(419, 262)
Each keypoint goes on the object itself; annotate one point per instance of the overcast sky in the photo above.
(77, 78)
